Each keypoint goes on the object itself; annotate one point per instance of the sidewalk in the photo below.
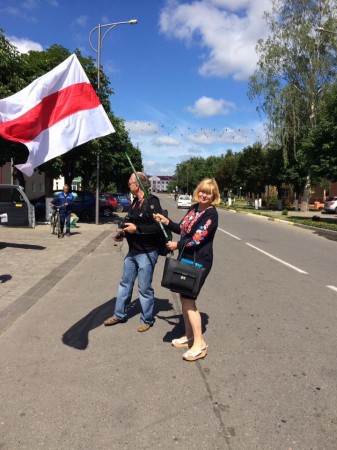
(33, 260)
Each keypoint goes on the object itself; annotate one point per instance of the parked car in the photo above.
(83, 206)
(330, 205)
(123, 200)
(107, 204)
(40, 207)
(184, 201)
(15, 208)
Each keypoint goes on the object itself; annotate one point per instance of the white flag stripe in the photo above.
(67, 73)
(53, 141)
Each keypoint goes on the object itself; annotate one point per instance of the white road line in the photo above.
(229, 234)
(277, 259)
(333, 288)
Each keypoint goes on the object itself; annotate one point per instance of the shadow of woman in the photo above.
(178, 329)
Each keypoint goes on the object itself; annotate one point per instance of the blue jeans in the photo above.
(65, 217)
(141, 264)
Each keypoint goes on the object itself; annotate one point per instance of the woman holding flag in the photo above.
(197, 230)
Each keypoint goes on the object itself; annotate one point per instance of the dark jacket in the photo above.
(146, 239)
(60, 200)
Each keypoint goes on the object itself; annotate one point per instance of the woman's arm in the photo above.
(172, 226)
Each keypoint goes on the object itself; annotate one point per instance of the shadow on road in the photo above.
(5, 277)
(78, 335)
(23, 246)
(178, 329)
(332, 236)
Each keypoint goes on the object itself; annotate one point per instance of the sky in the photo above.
(179, 76)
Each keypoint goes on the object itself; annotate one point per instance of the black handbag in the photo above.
(183, 278)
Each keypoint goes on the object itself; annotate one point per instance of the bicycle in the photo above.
(55, 222)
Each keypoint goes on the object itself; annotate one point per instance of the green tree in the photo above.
(321, 143)
(252, 169)
(295, 64)
(226, 173)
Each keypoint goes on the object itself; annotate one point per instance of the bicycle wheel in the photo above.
(52, 223)
(58, 226)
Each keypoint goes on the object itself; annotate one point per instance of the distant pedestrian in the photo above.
(65, 200)
(197, 230)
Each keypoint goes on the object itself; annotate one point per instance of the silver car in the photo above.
(330, 205)
(184, 201)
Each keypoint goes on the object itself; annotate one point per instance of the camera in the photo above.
(127, 219)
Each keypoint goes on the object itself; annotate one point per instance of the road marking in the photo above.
(333, 288)
(277, 259)
(229, 234)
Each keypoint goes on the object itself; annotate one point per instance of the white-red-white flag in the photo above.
(55, 113)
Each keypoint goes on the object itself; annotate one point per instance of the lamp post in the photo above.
(100, 38)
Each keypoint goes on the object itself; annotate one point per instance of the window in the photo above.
(33, 186)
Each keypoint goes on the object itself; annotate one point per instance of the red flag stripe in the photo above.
(50, 110)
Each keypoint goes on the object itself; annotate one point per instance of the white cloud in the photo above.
(24, 45)
(227, 30)
(207, 106)
(29, 4)
(201, 139)
(81, 20)
(166, 140)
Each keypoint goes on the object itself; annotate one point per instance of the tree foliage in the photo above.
(296, 64)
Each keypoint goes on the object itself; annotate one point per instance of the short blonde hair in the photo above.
(208, 185)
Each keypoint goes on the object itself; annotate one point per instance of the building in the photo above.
(160, 183)
(35, 185)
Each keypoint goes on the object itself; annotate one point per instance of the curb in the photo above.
(288, 222)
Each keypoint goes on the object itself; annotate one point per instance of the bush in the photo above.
(284, 212)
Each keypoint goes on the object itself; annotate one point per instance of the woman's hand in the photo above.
(171, 245)
(160, 218)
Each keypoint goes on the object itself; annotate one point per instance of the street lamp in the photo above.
(108, 27)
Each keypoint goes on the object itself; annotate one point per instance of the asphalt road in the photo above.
(268, 382)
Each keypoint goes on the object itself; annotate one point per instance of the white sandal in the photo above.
(193, 356)
(181, 343)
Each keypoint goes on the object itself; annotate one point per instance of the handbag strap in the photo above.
(181, 253)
